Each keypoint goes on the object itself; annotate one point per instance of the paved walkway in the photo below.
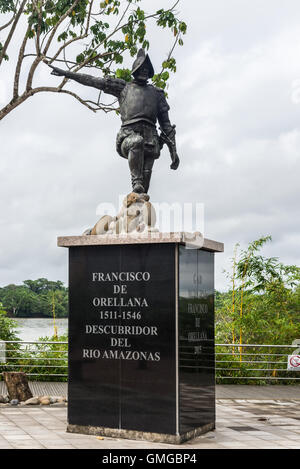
(275, 391)
(241, 423)
(228, 391)
(247, 417)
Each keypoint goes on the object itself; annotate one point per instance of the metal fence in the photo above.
(42, 360)
(235, 363)
(256, 363)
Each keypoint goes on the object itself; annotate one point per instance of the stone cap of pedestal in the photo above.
(190, 240)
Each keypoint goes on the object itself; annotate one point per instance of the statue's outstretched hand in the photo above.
(57, 71)
(175, 162)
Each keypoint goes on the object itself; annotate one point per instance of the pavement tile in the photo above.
(294, 437)
(13, 432)
(46, 435)
(59, 447)
(52, 441)
(46, 428)
(31, 446)
(234, 444)
(6, 445)
(213, 446)
(73, 436)
(16, 437)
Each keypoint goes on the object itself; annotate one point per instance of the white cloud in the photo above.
(238, 130)
(3, 96)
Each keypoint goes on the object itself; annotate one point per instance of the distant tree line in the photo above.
(35, 298)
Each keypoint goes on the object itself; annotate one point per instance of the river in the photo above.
(31, 329)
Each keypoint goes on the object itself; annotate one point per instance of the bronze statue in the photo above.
(141, 106)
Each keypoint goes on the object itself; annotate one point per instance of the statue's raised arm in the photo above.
(113, 86)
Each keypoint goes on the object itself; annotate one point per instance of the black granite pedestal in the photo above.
(141, 338)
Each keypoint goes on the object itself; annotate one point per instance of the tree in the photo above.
(35, 298)
(16, 299)
(43, 285)
(79, 33)
(7, 326)
(262, 305)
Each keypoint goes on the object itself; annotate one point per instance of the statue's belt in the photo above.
(141, 121)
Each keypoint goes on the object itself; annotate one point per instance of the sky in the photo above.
(235, 100)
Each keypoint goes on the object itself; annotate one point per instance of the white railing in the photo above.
(38, 359)
(236, 363)
(256, 362)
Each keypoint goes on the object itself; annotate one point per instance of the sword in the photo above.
(171, 145)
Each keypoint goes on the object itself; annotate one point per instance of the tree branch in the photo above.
(40, 57)
(63, 17)
(48, 60)
(19, 64)
(38, 34)
(12, 30)
(171, 51)
(86, 103)
(42, 46)
(74, 39)
(8, 23)
(117, 28)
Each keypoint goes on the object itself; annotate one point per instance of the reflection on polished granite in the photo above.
(196, 339)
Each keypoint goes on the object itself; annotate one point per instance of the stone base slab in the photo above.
(137, 435)
(193, 240)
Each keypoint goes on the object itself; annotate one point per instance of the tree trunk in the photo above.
(17, 385)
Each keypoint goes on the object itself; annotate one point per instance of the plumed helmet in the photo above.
(142, 58)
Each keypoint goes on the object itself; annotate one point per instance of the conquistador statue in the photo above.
(141, 106)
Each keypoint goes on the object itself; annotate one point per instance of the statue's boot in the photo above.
(136, 163)
(146, 179)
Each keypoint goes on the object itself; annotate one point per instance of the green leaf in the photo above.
(6, 6)
(80, 58)
(124, 74)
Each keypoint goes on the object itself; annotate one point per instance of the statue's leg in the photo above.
(133, 145)
(148, 165)
(151, 152)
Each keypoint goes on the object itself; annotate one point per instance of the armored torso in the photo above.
(138, 103)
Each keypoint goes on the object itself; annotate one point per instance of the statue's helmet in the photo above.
(141, 59)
